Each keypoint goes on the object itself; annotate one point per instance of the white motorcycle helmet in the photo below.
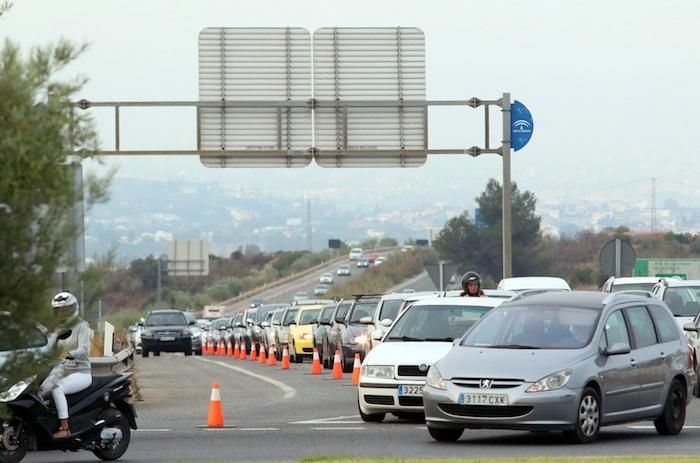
(65, 308)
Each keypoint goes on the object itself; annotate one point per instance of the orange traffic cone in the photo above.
(236, 350)
(253, 353)
(337, 368)
(215, 419)
(285, 359)
(243, 349)
(315, 364)
(211, 347)
(272, 358)
(229, 349)
(222, 348)
(356, 370)
(261, 358)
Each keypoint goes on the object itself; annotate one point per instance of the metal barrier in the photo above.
(120, 362)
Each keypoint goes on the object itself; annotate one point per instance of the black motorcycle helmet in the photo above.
(470, 277)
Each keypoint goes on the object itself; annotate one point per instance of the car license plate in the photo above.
(499, 400)
(405, 390)
(167, 338)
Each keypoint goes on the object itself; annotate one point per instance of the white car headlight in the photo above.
(434, 379)
(377, 371)
(554, 381)
(358, 339)
(15, 391)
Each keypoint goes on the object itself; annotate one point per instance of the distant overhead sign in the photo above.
(521, 125)
(188, 258)
(364, 82)
(264, 75)
(334, 244)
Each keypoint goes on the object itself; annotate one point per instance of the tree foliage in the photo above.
(39, 131)
(479, 247)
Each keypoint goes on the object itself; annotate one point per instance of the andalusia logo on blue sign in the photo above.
(521, 125)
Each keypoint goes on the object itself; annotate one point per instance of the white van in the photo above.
(355, 253)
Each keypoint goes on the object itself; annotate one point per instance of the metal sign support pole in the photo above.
(507, 193)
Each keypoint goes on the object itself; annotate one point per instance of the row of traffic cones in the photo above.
(215, 417)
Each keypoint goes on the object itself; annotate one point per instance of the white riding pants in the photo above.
(62, 386)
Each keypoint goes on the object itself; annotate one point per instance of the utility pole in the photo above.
(653, 205)
(308, 225)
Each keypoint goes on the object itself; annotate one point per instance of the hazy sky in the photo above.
(612, 85)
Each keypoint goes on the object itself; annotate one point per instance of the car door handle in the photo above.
(633, 362)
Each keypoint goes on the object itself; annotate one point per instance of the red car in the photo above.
(372, 258)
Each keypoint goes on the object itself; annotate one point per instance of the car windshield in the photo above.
(683, 301)
(308, 315)
(435, 322)
(263, 312)
(291, 315)
(534, 327)
(31, 338)
(390, 309)
(162, 319)
(363, 309)
(616, 288)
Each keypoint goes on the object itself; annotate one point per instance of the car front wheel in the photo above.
(587, 424)
(445, 435)
(672, 417)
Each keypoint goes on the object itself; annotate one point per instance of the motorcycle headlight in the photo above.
(434, 379)
(358, 339)
(377, 371)
(17, 389)
(554, 381)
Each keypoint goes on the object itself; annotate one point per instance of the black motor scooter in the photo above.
(101, 420)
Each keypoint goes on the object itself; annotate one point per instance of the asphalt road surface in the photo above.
(282, 415)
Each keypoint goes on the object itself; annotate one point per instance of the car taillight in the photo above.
(691, 358)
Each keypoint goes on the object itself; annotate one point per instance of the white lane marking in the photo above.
(153, 430)
(289, 391)
(652, 427)
(335, 419)
(335, 428)
(422, 427)
(233, 428)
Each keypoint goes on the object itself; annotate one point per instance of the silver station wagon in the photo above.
(564, 361)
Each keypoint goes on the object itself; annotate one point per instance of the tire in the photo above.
(345, 364)
(672, 417)
(144, 353)
(118, 451)
(445, 435)
(696, 390)
(13, 456)
(370, 417)
(326, 356)
(156, 354)
(198, 352)
(587, 426)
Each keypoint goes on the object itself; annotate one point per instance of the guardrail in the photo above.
(282, 281)
(120, 362)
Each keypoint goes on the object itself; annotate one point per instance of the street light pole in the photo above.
(507, 193)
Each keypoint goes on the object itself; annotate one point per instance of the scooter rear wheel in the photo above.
(116, 452)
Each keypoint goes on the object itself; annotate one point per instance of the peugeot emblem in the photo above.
(485, 383)
(423, 367)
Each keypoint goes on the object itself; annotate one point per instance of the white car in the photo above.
(344, 271)
(681, 296)
(355, 253)
(617, 284)
(380, 260)
(393, 373)
(326, 278)
(526, 283)
(320, 289)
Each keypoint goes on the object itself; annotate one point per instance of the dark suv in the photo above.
(166, 331)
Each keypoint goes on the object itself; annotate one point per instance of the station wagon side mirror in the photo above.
(617, 349)
(690, 327)
(191, 323)
(276, 322)
(377, 335)
(386, 322)
(292, 322)
(366, 320)
(140, 323)
(455, 342)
